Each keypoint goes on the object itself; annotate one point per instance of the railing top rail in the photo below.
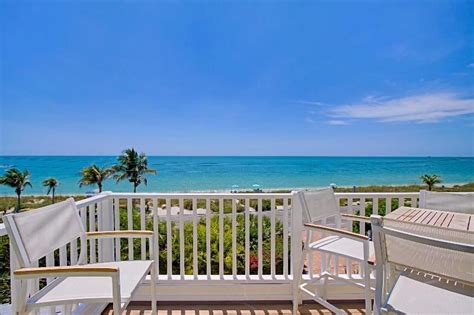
(201, 195)
(376, 194)
(93, 199)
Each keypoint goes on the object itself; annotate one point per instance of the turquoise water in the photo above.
(219, 173)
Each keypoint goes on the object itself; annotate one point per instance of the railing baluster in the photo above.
(388, 205)
(285, 237)
(73, 251)
(169, 249)
(221, 238)
(234, 238)
(156, 249)
(181, 238)
(208, 237)
(130, 227)
(362, 213)
(413, 202)
(118, 251)
(247, 238)
(92, 218)
(259, 237)
(195, 240)
(142, 227)
(99, 228)
(272, 237)
(375, 206)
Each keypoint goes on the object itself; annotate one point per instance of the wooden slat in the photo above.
(397, 213)
(423, 217)
(441, 219)
(435, 218)
(471, 223)
(448, 219)
(418, 215)
(428, 218)
(460, 222)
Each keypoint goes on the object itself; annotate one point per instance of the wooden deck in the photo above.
(225, 308)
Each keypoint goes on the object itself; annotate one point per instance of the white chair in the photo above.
(422, 270)
(37, 233)
(321, 205)
(447, 201)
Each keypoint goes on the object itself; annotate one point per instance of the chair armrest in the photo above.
(120, 234)
(66, 271)
(354, 217)
(336, 231)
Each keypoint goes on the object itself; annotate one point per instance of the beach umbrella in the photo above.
(256, 186)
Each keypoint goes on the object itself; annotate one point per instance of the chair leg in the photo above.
(296, 284)
(367, 291)
(153, 289)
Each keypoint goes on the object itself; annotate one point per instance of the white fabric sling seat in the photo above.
(422, 269)
(74, 290)
(414, 293)
(40, 232)
(344, 247)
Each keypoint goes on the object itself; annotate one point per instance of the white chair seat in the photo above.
(415, 294)
(343, 246)
(95, 289)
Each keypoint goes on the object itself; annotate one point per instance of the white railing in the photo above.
(220, 244)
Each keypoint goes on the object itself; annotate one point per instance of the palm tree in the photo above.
(430, 180)
(18, 180)
(52, 183)
(94, 175)
(134, 167)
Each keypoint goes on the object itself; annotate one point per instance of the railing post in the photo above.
(107, 216)
(296, 240)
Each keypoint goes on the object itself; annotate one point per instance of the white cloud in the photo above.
(337, 122)
(310, 103)
(423, 108)
(309, 120)
(471, 65)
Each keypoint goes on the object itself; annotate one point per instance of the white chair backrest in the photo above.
(36, 233)
(447, 201)
(434, 250)
(318, 204)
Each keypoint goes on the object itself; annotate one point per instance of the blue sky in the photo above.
(237, 78)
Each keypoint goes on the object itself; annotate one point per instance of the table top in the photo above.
(446, 219)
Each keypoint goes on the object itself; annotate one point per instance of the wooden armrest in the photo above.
(354, 217)
(335, 231)
(122, 233)
(82, 270)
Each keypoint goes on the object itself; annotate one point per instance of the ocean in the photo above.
(204, 173)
